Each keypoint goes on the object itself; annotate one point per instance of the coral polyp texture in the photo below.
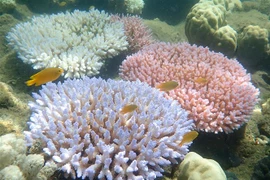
(138, 34)
(134, 6)
(215, 90)
(80, 125)
(206, 25)
(78, 42)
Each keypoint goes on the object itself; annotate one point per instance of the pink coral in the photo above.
(138, 35)
(215, 90)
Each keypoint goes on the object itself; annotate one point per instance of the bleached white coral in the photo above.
(78, 42)
(81, 127)
(134, 6)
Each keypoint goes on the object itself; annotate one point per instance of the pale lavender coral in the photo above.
(81, 128)
(221, 104)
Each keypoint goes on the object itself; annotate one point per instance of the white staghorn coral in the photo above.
(81, 127)
(78, 42)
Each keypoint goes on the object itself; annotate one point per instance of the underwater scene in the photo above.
(134, 89)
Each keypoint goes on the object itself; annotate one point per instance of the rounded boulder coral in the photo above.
(81, 127)
(215, 90)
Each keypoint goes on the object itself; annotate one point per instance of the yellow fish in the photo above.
(188, 137)
(44, 76)
(128, 108)
(201, 80)
(167, 86)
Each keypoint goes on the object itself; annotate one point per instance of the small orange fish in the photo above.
(188, 137)
(167, 86)
(128, 108)
(44, 76)
(201, 80)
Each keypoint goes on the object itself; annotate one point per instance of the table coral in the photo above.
(215, 90)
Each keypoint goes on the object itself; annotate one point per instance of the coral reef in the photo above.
(6, 22)
(161, 31)
(138, 35)
(262, 169)
(238, 20)
(13, 110)
(266, 107)
(224, 39)
(78, 42)
(252, 44)
(196, 167)
(134, 6)
(253, 28)
(81, 127)
(229, 5)
(264, 127)
(259, 5)
(262, 80)
(203, 24)
(203, 20)
(215, 90)
(215, 23)
(7, 5)
(15, 164)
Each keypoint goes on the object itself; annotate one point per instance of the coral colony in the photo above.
(138, 35)
(215, 90)
(77, 42)
(84, 127)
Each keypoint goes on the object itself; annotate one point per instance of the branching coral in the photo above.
(215, 90)
(81, 127)
(78, 42)
(138, 34)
